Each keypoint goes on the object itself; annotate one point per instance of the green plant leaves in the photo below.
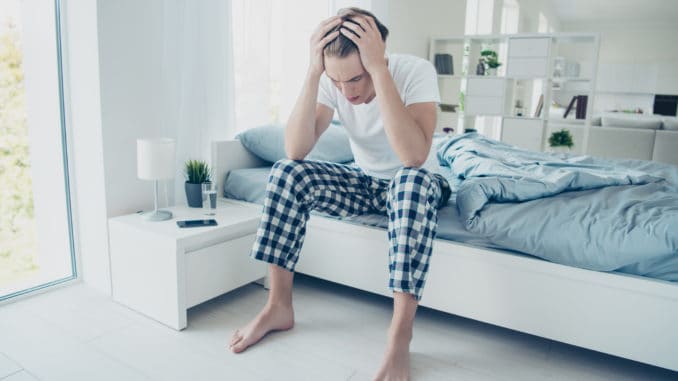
(561, 138)
(197, 172)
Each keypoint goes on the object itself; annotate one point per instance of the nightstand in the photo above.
(161, 270)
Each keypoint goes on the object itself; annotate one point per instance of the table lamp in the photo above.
(155, 161)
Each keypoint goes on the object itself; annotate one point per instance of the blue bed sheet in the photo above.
(573, 210)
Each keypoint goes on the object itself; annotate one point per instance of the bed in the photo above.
(630, 313)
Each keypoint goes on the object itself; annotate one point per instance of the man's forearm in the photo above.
(406, 137)
(300, 133)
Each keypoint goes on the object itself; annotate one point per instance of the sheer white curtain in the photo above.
(271, 43)
(197, 79)
(252, 45)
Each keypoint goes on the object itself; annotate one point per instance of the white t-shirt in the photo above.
(416, 81)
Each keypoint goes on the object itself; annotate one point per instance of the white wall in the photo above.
(130, 67)
(83, 110)
(529, 15)
(643, 55)
(642, 43)
(411, 24)
(140, 69)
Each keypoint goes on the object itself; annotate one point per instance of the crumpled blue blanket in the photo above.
(575, 210)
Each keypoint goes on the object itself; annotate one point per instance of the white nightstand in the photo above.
(161, 270)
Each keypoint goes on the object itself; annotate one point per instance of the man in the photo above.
(387, 105)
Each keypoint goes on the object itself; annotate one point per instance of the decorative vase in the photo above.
(480, 68)
(193, 194)
(492, 71)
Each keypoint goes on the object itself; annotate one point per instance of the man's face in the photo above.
(351, 78)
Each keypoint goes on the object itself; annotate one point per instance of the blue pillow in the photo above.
(268, 143)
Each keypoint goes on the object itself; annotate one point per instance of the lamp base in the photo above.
(158, 215)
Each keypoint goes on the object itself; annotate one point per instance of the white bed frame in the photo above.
(623, 315)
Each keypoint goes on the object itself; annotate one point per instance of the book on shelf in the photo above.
(540, 106)
(569, 106)
(582, 101)
(579, 103)
(444, 64)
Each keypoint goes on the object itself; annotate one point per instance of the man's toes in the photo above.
(236, 336)
(240, 346)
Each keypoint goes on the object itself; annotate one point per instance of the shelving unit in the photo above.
(531, 69)
(449, 84)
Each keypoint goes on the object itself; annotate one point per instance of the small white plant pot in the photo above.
(560, 149)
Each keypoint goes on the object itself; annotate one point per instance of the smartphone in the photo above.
(196, 223)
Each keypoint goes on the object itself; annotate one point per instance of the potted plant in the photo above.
(197, 172)
(489, 57)
(561, 141)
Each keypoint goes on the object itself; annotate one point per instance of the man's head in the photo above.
(342, 60)
(342, 46)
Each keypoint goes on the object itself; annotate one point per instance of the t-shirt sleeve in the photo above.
(326, 95)
(422, 84)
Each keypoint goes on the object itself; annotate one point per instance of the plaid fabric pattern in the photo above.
(411, 200)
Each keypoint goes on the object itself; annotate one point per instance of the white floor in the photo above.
(76, 333)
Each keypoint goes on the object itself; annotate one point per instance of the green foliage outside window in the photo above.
(17, 225)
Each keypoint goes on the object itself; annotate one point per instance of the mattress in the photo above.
(250, 185)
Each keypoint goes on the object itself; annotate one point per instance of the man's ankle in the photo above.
(400, 333)
(278, 304)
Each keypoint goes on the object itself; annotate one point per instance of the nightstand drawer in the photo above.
(220, 268)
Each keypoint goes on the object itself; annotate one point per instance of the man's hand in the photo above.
(363, 31)
(318, 42)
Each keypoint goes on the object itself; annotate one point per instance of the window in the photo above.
(543, 24)
(36, 236)
(479, 16)
(510, 14)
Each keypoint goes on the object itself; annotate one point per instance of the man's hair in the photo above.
(342, 46)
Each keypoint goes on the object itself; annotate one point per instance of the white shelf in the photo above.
(570, 79)
(486, 76)
(448, 39)
(575, 37)
(527, 72)
(526, 78)
(572, 122)
(623, 92)
(521, 117)
(487, 38)
(569, 90)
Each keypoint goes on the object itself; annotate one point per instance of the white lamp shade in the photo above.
(155, 159)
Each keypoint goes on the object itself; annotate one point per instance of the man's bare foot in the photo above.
(271, 318)
(396, 363)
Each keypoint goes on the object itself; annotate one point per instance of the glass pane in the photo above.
(35, 230)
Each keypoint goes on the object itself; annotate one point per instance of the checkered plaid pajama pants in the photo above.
(411, 200)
